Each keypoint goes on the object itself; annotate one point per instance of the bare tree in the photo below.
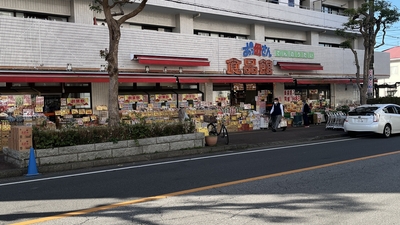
(368, 20)
(114, 21)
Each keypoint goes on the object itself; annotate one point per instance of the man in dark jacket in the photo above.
(276, 114)
(306, 110)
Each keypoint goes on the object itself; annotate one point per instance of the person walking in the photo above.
(276, 114)
(306, 110)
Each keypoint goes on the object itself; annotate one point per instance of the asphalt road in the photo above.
(284, 185)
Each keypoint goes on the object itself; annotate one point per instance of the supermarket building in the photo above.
(213, 51)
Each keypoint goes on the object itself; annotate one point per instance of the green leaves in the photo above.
(71, 136)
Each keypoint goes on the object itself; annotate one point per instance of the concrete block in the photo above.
(123, 152)
(76, 149)
(133, 143)
(168, 139)
(46, 152)
(199, 135)
(58, 159)
(110, 145)
(181, 145)
(94, 155)
(199, 143)
(147, 141)
(16, 154)
(156, 148)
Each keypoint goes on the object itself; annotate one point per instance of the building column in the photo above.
(81, 13)
(100, 95)
(184, 24)
(333, 96)
(312, 38)
(207, 89)
(257, 32)
(279, 91)
(307, 4)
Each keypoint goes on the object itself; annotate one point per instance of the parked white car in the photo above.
(378, 118)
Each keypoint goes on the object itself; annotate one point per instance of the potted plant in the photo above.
(211, 139)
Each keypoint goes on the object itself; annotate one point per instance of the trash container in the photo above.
(297, 120)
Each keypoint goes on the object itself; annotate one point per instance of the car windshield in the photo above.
(363, 111)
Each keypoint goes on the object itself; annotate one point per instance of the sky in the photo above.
(392, 38)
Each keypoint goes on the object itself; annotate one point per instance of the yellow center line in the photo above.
(153, 198)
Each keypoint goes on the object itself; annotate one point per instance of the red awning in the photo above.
(72, 77)
(170, 61)
(326, 81)
(236, 79)
(299, 66)
(102, 77)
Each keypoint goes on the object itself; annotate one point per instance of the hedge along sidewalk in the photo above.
(109, 153)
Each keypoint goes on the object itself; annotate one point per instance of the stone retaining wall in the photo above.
(84, 156)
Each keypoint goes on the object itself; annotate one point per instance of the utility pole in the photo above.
(371, 49)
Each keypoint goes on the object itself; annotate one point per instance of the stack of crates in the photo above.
(5, 133)
(20, 138)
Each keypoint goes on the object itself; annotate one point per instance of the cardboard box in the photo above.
(21, 132)
(23, 144)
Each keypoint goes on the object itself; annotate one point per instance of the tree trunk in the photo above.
(357, 70)
(113, 72)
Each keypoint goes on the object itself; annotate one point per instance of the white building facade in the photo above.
(202, 46)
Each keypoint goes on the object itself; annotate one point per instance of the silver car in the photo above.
(378, 118)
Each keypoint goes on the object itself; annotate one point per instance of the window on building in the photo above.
(45, 17)
(6, 14)
(291, 3)
(330, 45)
(331, 9)
(279, 40)
(156, 28)
(224, 35)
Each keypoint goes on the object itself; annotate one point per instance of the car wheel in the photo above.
(352, 133)
(387, 131)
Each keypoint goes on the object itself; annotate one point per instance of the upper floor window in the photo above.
(6, 13)
(156, 28)
(45, 17)
(225, 35)
(329, 45)
(331, 9)
(280, 40)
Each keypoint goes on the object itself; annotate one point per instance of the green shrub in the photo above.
(71, 136)
(384, 100)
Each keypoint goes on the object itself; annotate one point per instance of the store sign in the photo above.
(256, 49)
(77, 101)
(130, 98)
(163, 98)
(39, 101)
(294, 54)
(193, 97)
(370, 81)
(221, 99)
(249, 67)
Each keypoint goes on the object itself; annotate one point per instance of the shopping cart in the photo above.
(335, 120)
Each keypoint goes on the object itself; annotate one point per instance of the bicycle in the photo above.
(212, 129)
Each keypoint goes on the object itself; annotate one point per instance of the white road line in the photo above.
(174, 161)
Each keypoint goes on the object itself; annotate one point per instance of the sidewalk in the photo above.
(237, 141)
